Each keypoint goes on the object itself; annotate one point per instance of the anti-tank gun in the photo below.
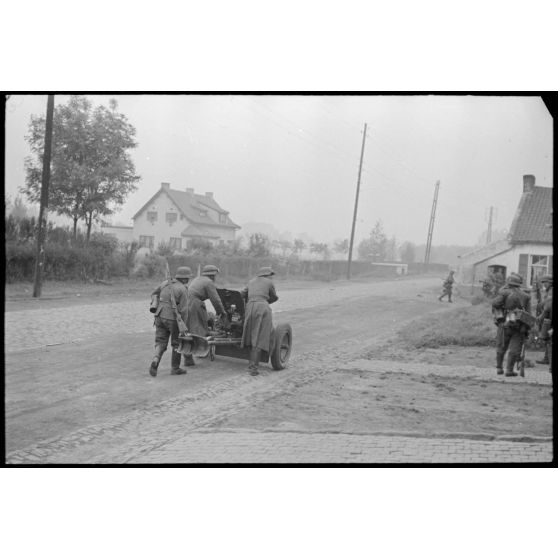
(224, 339)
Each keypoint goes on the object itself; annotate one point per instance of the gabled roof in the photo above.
(193, 207)
(533, 217)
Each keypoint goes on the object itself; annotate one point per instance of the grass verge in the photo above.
(467, 327)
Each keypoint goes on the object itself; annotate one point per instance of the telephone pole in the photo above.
(431, 224)
(356, 205)
(489, 230)
(40, 256)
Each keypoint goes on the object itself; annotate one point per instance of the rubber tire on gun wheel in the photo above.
(281, 346)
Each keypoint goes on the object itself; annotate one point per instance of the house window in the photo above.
(175, 243)
(171, 218)
(538, 265)
(147, 241)
(152, 216)
(222, 218)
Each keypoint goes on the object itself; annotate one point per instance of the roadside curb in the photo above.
(478, 436)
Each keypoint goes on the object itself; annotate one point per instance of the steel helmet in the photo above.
(210, 270)
(515, 280)
(265, 272)
(183, 272)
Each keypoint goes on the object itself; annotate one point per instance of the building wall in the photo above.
(472, 273)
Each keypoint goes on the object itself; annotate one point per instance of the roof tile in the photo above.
(533, 217)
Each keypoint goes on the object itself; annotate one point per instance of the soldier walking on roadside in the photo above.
(545, 307)
(511, 332)
(258, 323)
(172, 299)
(201, 289)
(447, 287)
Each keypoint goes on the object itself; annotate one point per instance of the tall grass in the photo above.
(468, 327)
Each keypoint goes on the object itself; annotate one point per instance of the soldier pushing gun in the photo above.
(169, 303)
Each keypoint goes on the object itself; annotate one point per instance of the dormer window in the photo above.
(203, 213)
(222, 218)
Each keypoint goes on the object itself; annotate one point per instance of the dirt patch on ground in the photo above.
(367, 402)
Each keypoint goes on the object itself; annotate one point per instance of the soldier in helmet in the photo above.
(201, 289)
(447, 287)
(545, 304)
(169, 294)
(258, 324)
(511, 332)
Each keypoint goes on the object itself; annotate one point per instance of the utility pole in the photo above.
(489, 230)
(40, 256)
(431, 224)
(356, 205)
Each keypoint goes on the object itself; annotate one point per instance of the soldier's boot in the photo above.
(175, 363)
(544, 359)
(449, 299)
(189, 360)
(511, 362)
(499, 363)
(254, 361)
(159, 350)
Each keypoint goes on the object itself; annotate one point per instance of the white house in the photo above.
(176, 216)
(122, 233)
(528, 249)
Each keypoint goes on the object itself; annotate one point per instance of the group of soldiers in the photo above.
(511, 309)
(179, 308)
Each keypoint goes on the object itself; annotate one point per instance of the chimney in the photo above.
(190, 191)
(209, 195)
(165, 185)
(528, 182)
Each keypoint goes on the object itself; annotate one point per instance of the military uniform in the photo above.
(258, 322)
(447, 287)
(166, 324)
(544, 307)
(511, 333)
(201, 289)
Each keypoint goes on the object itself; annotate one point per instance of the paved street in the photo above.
(33, 328)
(287, 447)
(86, 400)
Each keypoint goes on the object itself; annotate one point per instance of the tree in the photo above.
(18, 208)
(391, 249)
(320, 248)
(298, 245)
(342, 246)
(407, 252)
(258, 245)
(92, 169)
(374, 247)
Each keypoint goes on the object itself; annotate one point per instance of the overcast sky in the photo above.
(292, 161)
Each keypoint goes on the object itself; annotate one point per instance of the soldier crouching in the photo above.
(170, 318)
(511, 332)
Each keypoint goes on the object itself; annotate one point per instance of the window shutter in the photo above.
(522, 269)
(550, 266)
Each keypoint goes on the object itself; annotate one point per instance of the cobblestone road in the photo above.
(183, 429)
(286, 447)
(33, 328)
